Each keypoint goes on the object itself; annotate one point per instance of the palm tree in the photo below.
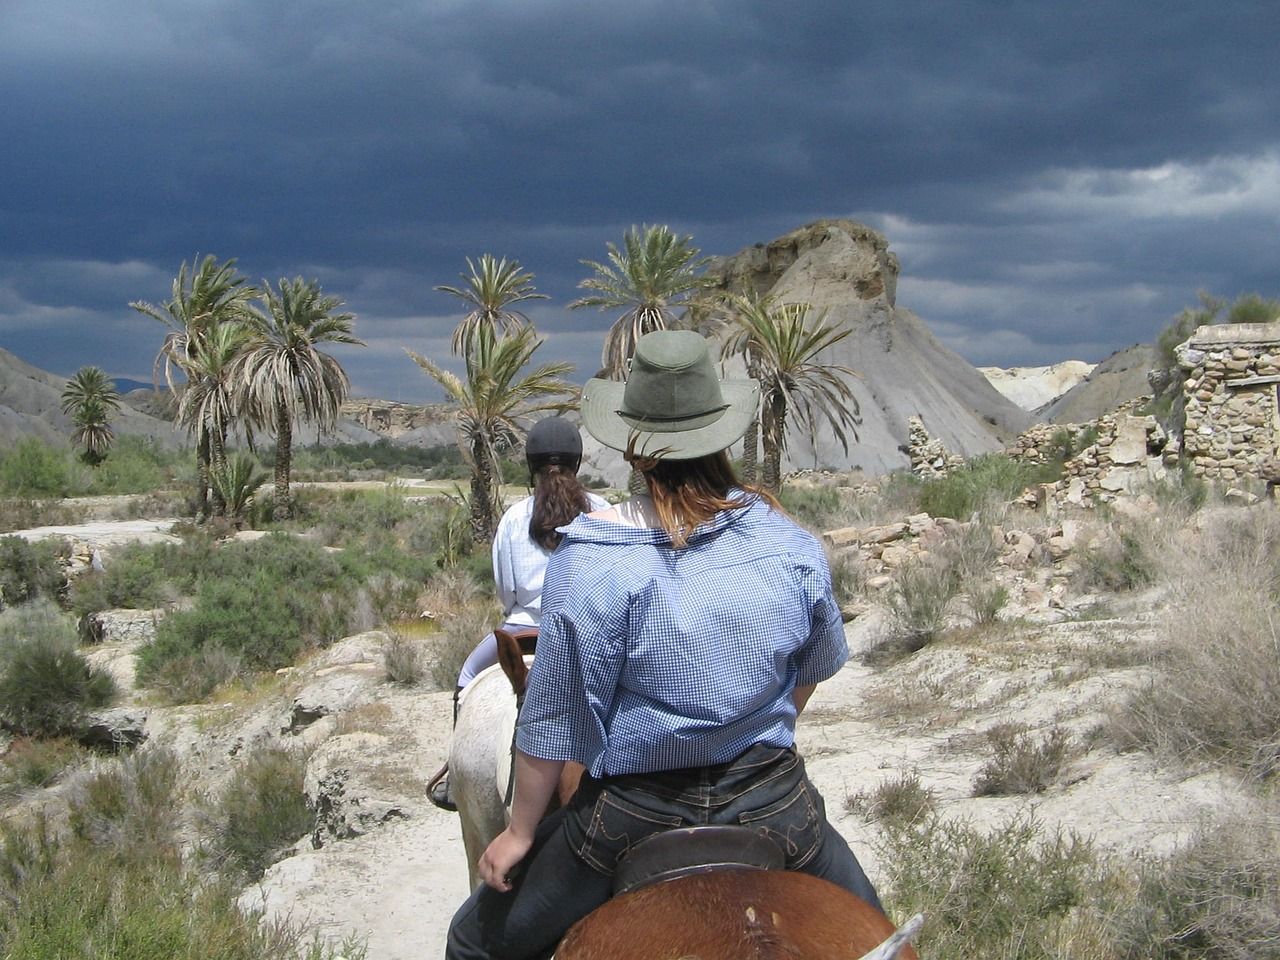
(283, 374)
(90, 398)
(653, 274)
(493, 401)
(213, 396)
(781, 349)
(203, 298)
(490, 290)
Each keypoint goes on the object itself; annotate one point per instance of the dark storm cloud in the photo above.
(1058, 179)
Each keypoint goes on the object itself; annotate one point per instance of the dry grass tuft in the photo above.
(901, 800)
(1020, 763)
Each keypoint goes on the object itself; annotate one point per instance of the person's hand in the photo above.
(501, 857)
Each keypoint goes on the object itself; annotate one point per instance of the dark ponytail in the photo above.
(558, 497)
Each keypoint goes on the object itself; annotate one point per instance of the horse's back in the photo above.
(732, 915)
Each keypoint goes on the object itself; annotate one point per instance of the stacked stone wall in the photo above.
(1230, 391)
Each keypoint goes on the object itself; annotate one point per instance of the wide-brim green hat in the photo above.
(672, 405)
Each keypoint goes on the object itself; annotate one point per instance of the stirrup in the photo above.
(438, 790)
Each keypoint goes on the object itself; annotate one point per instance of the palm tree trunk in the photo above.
(482, 522)
(750, 450)
(774, 423)
(284, 458)
(218, 464)
(202, 474)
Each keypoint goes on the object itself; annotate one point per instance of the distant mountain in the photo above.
(125, 385)
(1033, 387)
(1120, 377)
(30, 401)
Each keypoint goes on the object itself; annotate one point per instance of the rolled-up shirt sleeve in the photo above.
(574, 679)
(827, 649)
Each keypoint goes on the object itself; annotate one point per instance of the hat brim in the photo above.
(602, 399)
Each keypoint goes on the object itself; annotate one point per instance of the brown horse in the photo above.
(737, 914)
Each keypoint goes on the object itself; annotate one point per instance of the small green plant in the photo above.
(986, 599)
(236, 481)
(46, 686)
(902, 800)
(1020, 763)
(261, 813)
(815, 507)
(848, 577)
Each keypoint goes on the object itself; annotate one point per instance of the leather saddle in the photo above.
(688, 850)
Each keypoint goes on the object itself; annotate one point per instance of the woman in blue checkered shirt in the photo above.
(682, 633)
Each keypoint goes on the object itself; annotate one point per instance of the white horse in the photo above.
(480, 750)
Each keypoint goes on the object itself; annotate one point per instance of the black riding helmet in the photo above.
(553, 440)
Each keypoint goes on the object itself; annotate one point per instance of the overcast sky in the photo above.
(1057, 179)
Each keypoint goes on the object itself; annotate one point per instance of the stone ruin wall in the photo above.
(1231, 428)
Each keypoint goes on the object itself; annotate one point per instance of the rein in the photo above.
(509, 791)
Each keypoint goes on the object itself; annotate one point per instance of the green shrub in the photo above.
(1005, 894)
(990, 478)
(29, 570)
(136, 578)
(46, 686)
(33, 468)
(261, 813)
(137, 465)
(1020, 763)
(815, 507)
(451, 647)
(236, 481)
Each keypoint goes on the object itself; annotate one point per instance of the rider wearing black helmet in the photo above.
(526, 535)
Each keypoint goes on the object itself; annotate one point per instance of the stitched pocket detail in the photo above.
(616, 826)
(794, 823)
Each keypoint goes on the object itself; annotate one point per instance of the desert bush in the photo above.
(128, 806)
(848, 576)
(66, 899)
(24, 513)
(403, 659)
(261, 812)
(1213, 898)
(33, 468)
(900, 800)
(1020, 763)
(46, 686)
(193, 677)
(449, 648)
(32, 764)
(1216, 691)
(989, 479)
(236, 481)
(1118, 563)
(817, 507)
(137, 577)
(1006, 894)
(918, 599)
(29, 570)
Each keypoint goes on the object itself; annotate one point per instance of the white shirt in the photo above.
(519, 564)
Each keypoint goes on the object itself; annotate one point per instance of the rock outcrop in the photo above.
(846, 270)
(1117, 379)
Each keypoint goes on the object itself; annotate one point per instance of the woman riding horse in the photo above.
(526, 535)
(682, 633)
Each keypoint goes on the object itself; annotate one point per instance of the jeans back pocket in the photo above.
(615, 826)
(794, 823)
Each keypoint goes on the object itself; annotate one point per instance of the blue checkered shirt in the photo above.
(651, 658)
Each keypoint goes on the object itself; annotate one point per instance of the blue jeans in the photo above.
(569, 870)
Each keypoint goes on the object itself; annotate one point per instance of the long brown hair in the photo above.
(558, 497)
(686, 493)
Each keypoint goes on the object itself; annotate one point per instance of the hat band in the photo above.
(678, 424)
